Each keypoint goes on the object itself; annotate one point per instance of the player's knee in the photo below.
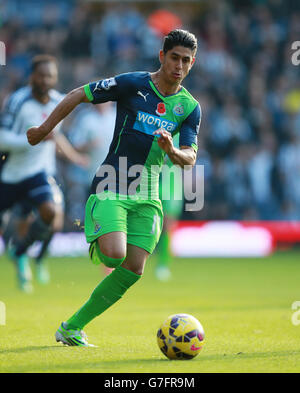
(39, 230)
(47, 213)
(111, 257)
(113, 252)
(116, 254)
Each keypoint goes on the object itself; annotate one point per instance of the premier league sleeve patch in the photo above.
(105, 84)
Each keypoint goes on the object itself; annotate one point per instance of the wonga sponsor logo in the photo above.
(149, 123)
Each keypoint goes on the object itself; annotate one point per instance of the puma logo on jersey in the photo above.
(139, 93)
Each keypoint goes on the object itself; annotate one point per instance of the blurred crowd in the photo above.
(244, 79)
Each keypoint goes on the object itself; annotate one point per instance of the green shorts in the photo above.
(141, 220)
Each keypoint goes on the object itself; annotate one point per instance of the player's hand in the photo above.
(165, 140)
(35, 135)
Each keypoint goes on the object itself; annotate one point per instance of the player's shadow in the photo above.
(247, 355)
(29, 349)
(203, 357)
(110, 365)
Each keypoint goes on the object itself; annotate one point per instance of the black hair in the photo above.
(180, 37)
(39, 59)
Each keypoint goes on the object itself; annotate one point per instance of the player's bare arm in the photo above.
(185, 156)
(67, 151)
(36, 134)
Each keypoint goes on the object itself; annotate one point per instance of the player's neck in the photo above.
(163, 85)
(42, 98)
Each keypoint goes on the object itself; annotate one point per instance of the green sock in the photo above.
(164, 250)
(109, 291)
(109, 262)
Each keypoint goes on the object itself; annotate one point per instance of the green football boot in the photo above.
(73, 338)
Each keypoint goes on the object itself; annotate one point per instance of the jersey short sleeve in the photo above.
(111, 89)
(190, 129)
(11, 107)
(7, 116)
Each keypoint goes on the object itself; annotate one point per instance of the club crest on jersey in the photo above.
(178, 109)
(160, 109)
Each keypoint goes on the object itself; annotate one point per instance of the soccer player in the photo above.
(124, 218)
(25, 170)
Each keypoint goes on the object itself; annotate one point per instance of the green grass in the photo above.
(244, 306)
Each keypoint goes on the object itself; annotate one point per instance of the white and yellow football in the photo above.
(181, 337)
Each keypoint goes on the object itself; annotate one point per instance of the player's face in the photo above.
(176, 63)
(44, 77)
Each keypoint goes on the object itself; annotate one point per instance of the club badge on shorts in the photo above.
(160, 109)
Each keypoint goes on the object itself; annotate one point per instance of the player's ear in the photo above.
(161, 56)
(191, 64)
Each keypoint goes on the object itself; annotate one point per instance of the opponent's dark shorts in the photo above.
(35, 190)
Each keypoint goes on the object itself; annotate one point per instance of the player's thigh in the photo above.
(47, 211)
(135, 259)
(106, 220)
(144, 226)
(22, 216)
(113, 244)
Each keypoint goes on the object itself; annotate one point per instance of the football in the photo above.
(181, 336)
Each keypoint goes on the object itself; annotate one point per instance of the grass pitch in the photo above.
(244, 306)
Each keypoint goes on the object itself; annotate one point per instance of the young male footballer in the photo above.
(124, 213)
